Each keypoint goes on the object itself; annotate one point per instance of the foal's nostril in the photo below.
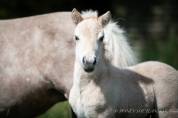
(84, 60)
(94, 62)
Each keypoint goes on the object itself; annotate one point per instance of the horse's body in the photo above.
(36, 60)
(36, 63)
(102, 90)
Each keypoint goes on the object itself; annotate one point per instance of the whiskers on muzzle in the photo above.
(89, 63)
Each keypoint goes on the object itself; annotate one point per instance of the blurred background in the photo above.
(150, 25)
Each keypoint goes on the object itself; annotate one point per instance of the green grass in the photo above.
(60, 110)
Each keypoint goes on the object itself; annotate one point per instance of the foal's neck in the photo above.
(82, 78)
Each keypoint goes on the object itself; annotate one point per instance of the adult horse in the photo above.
(35, 70)
(36, 62)
(101, 90)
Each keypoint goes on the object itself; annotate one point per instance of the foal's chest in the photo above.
(91, 101)
(92, 95)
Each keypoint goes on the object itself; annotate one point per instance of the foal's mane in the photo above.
(117, 49)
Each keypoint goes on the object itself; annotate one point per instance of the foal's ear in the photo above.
(76, 16)
(105, 18)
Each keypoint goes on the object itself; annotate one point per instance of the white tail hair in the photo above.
(117, 49)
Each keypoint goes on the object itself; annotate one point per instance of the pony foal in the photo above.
(101, 90)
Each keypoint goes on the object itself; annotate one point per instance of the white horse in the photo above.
(101, 90)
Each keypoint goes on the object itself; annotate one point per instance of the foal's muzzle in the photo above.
(89, 65)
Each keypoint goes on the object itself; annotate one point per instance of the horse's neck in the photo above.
(82, 78)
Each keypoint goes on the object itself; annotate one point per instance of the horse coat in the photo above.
(36, 56)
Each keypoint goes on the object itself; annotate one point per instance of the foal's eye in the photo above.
(101, 38)
(76, 38)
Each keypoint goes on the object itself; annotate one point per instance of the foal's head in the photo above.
(89, 35)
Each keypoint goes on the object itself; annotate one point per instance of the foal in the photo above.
(101, 90)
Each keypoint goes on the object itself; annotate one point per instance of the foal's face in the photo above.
(89, 40)
(89, 37)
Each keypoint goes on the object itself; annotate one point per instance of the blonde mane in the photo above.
(89, 13)
(117, 49)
